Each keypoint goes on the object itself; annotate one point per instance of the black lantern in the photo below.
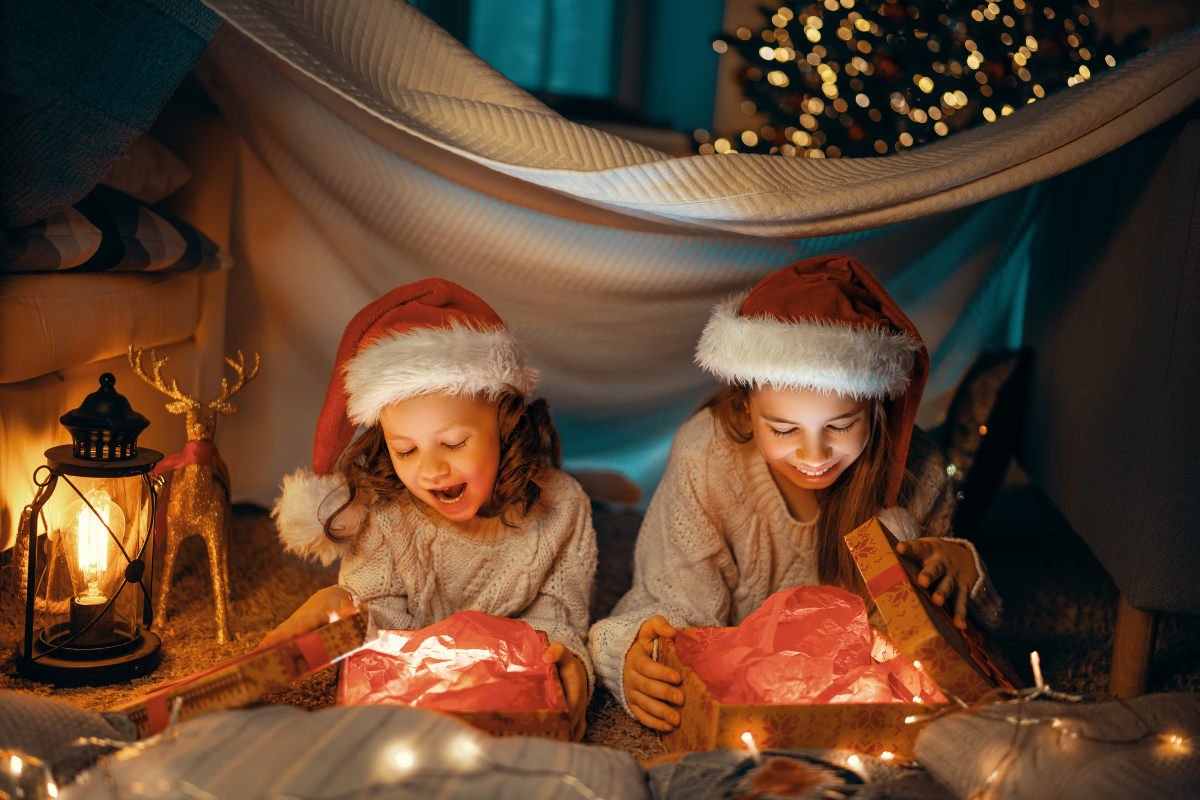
(82, 612)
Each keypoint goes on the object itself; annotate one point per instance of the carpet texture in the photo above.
(1058, 600)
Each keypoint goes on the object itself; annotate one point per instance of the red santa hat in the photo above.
(825, 324)
(428, 336)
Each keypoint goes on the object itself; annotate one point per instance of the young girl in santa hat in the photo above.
(452, 498)
(813, 436)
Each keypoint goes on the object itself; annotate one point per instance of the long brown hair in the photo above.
(856, 496)
(529, 445)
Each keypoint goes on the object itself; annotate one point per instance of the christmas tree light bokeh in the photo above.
(864, 78)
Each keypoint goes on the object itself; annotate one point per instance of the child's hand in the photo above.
(647, 682)
(325, 606)
(950, 562)
(574, 680)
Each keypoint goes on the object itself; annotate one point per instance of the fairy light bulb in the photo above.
(52, 788)
(405, 758)
(15, 765)
(1036, 661)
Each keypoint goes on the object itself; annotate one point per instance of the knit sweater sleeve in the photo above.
(368, 572)
(563, 602)
(932, 509)
(682, 568)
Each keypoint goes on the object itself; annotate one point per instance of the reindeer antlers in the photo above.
(182, 401)
(239, 366)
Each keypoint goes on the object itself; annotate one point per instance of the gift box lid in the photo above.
(964, 664)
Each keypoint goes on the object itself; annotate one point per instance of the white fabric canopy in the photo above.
(378, 150)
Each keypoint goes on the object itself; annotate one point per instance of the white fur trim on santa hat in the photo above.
(828, 357)
(300, 512)
(457, 360)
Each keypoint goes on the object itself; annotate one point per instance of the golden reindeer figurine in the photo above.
(198, 501)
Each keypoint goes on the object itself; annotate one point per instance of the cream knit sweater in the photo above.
(718, 539)
(411, 567)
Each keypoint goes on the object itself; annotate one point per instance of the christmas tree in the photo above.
(872, 77)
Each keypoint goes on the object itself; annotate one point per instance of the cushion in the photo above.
(48, 322)
(147, 171)
(132, 237)
(1144, 747)
(791, 774)
(367, 751)
(44, 729)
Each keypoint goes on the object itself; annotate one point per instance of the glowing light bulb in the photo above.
(405, 758)
(917, 664)
(52, 788)
(90, 529)
(1036, 661)
(854, 761)
(15, 764)
(887, 755)
(909, 720)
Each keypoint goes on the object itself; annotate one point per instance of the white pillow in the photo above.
(147, 170)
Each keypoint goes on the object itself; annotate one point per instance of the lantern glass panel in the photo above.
(85, 566)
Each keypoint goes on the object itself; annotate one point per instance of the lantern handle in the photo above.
(45, 489)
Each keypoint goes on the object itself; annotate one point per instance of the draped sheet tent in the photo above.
(378, 150)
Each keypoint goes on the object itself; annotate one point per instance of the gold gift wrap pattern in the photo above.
(245, 680)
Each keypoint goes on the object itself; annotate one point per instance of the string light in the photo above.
(1028, 67)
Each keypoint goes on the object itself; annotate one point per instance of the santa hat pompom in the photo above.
(300, 512)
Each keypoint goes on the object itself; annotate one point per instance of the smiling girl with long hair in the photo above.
(813, 436)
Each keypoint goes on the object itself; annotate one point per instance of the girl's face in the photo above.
(808, 438)
(445, 449)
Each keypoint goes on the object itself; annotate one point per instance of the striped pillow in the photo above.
(109, 230)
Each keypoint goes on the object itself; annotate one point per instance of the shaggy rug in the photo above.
(1058, 600)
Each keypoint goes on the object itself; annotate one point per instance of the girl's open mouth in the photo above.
(451, 494)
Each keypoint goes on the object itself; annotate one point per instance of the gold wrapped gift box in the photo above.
(963, 664)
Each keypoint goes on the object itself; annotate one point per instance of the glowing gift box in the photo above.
(486, 670)
(962, 664)
(247, 679)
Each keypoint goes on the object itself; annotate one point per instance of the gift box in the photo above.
(485, 670)
(247, 679)
(963, 665)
